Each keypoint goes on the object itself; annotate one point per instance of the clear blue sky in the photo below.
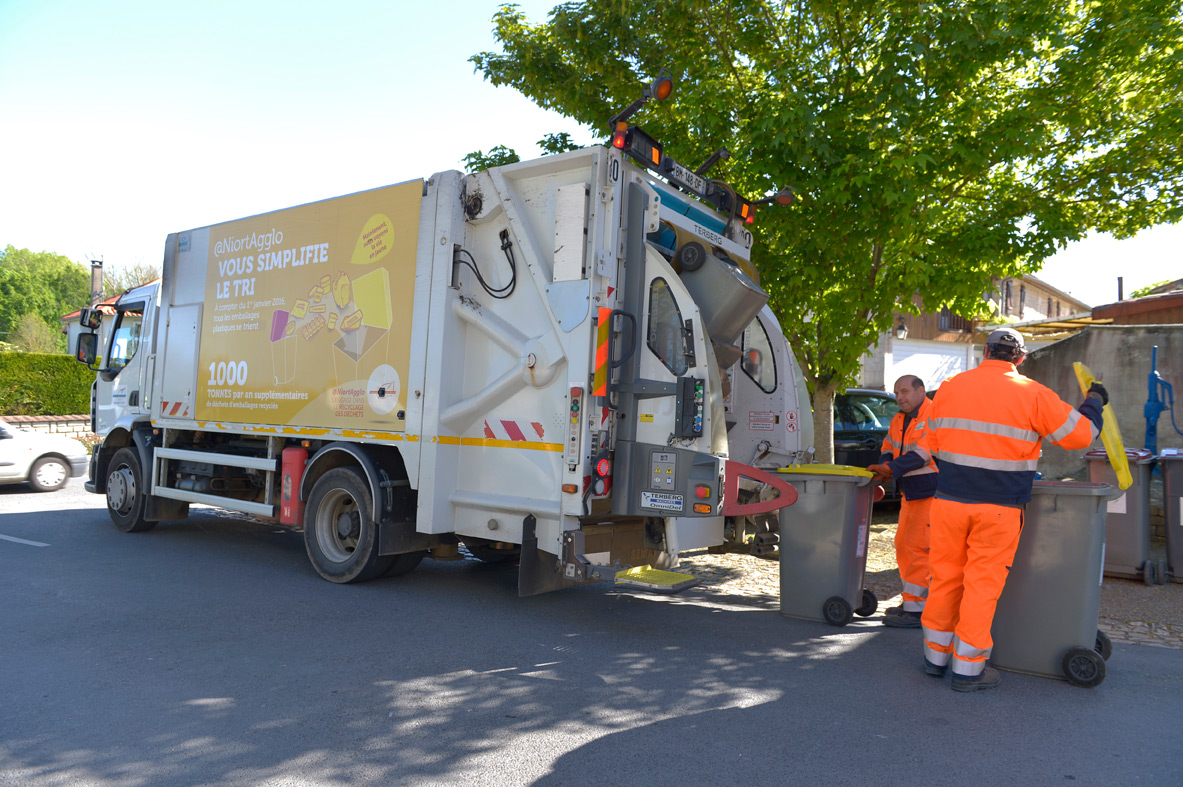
(130, 119)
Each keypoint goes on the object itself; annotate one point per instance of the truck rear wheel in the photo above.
(125, 492)
(339, 533)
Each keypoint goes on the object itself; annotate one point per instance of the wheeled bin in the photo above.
(1127, 528)
(823, 544)
(1170, 462)
(1046, 621)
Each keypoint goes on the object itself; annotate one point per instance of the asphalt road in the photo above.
(207, 652)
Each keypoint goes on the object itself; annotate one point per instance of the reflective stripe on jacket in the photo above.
(985, 428)
(914, 482)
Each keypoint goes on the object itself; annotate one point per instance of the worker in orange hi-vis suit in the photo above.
(916, 480)
(984, 431)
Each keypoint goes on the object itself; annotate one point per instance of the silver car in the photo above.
(46, 461)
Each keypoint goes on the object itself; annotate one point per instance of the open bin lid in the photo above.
(840, 471)
(1133, 455)
(1078, 488)
(1171, 455)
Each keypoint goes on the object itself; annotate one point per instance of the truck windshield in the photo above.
(126, 338)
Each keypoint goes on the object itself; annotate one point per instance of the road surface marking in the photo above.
(16, 540)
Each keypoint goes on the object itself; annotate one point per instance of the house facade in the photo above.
(937, 345)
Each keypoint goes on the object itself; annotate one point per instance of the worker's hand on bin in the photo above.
(1098, 392)
(881, 473)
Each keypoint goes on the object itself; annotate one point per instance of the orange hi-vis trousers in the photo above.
(911, 551)
(971, 549)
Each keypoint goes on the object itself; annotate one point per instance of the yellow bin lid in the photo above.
(846, 470)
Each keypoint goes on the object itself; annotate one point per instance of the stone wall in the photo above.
(1120, 357)
(76, 426)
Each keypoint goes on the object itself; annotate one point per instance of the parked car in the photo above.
(861, 419)
(45, 460)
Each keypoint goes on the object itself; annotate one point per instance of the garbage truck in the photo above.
(539, 361)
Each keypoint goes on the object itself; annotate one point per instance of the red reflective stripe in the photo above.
(176, 407)
(603, 329)
(537, 428)
(489, 432)
(513, 431)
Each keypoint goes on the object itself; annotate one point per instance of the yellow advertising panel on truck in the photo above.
(309, 312)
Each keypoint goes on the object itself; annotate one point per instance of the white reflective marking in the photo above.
(16, 540)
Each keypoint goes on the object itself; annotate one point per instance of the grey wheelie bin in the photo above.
(1170, 461)
(1127, 527)
(823, 544)
(1046, 622)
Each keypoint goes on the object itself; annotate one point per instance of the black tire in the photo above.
(690, 256)
(339, 531)
(1104, 645)
(49, 474)
(1083, 667)
(125, 492)
(1148, 572)
(837, 611)
(486, 553)
(869, 606)
(405, 563)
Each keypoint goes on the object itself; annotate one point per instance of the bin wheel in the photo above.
(1083, 667)
(1104, 645)
(837, 611)
(1148, 572)
(869, 606)
(1161, 572)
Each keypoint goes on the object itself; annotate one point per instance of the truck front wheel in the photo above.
(125, 492)
(339, 532)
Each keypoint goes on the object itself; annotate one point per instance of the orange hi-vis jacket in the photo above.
(915, 477)
(985, 427)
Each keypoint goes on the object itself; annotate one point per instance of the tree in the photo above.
(41, 283)
(497, 157)
(119, 279)
(931, 145)
(34, 335)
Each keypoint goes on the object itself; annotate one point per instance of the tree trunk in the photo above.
(823, 422)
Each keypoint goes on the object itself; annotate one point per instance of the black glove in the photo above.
(1098, 392)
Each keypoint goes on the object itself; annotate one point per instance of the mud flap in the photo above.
(540, 571)
(733, 471)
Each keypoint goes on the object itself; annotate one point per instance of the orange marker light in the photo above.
(570, 488)
(702, 508)
(662, 87)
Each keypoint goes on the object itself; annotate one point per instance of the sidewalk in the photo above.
(1131, 611)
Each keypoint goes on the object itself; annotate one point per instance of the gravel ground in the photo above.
(1131, 611)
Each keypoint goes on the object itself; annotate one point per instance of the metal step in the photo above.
(655, 579)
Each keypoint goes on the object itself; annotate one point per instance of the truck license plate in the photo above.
(687, 178)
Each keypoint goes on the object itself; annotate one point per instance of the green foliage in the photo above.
(33, 335)
(557, 143)
(496, 157)
(931, 145)
(40, 384)
(1141, 291)
(41, 283)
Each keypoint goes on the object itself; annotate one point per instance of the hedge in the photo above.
(43, 384)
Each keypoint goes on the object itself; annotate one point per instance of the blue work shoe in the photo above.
(904, 620)
(989, 679)
(935, 670)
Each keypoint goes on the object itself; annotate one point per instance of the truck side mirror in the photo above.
(87, 349)
(91, 319)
